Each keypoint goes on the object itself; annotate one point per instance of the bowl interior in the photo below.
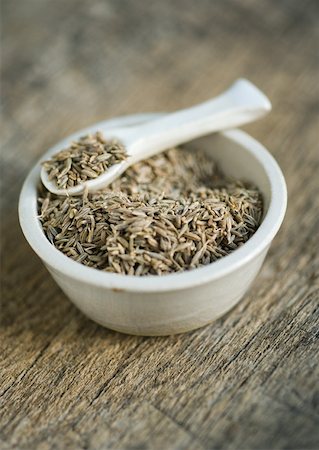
(236, 153)
(235, 161)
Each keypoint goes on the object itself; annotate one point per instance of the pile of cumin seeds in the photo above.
(170, 213)
(83, 160)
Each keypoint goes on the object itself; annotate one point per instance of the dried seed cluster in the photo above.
(170, 213)
(84, 160)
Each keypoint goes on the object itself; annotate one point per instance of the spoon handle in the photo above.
(241, 103)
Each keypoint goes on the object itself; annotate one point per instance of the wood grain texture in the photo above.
(249, 380)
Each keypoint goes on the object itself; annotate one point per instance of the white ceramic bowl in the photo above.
(179, 302)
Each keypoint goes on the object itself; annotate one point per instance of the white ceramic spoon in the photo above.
(241, 103)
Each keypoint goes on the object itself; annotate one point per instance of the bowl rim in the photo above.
(59, 262)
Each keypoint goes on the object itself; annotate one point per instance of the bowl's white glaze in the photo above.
(174, 303)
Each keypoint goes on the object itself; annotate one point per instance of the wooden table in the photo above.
(247, 381)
